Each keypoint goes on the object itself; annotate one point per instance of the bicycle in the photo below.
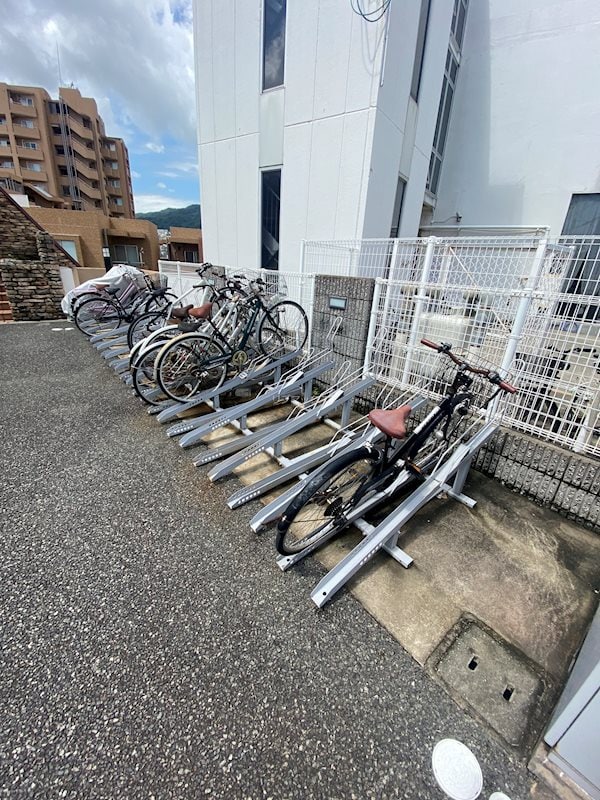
(151, 321)
(143, 354)
(113, 306)
(197, 361)
(327, 503)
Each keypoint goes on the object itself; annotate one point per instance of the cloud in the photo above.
(137, 55)
(155, 148)
(161, 185)
(167, 174)
(145, 203)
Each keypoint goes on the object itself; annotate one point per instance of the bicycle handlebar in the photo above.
(492, 376)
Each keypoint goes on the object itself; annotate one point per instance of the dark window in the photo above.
(271, 190)
(273, 43)
(459, 17)
(420, 50)
(60, 150)
(583, 278)
(397, 214)
(191, 256)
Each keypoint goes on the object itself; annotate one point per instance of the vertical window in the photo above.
(271, 190)
(273, 43)
(420, 50)
(397, 213)
(69, 246)
(448, 89)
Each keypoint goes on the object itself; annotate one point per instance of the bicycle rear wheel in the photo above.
(144, 325)
(189, 364)
(283, 328)
(320, 510)
(94, 314)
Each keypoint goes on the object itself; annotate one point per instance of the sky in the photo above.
(135, 58)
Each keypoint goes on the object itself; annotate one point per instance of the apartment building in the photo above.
(59, 149)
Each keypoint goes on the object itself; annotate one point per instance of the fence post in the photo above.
(420, 299)
(524, 305)
(373, 325)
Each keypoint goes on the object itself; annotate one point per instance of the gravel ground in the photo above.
(150, 647)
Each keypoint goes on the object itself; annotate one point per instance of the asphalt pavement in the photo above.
(149, 645)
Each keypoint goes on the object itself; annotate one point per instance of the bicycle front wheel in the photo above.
(320, 510)
(94, 314)
(283, 328)
(189, 364)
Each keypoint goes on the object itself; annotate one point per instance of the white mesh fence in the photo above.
(527, 306)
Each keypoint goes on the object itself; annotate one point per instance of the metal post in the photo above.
(524, 305)
(420, 299)
(372, 326)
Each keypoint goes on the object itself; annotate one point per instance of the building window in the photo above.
(22, 99)
(29, 145)
(118, 201)
(114, 182)
(56, 130)
(6, 164)
(126, 254)
(273, 43)
(397, 213)
(459, 17)
(33, 166)
(415, 82)
(62, 170)
(4, 143)
(2, 119)
(445, 107)
(69, 246)
(60, 150)
(191, 256)
(24, 123)
(271, 191)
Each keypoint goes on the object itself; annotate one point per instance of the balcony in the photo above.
(87, 190)
(24, 130)
(20, 110)
(84, 169)
(80, 129)
(33, 175)
(117, 191)
(31, 155)
(82, 149)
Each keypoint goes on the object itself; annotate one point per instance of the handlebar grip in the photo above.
(433, 345)
(507, 387)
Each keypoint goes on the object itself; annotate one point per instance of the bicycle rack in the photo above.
(385, 535)
(355, 435)
(254, 373)
(297, 382)
(340, 395)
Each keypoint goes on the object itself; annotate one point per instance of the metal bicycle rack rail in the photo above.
(449, 477)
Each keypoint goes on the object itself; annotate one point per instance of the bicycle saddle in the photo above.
(181, 313)
(159, 292)
(201, 312)
(393, 422)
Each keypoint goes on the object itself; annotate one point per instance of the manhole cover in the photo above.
(497, 682)
(456, 770)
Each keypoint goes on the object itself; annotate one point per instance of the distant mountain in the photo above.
(188, 217)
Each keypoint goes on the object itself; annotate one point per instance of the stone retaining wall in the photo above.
(29, 266)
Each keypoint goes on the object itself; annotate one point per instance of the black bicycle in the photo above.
(322, 508)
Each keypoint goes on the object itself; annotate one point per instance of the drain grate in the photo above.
(498, 682)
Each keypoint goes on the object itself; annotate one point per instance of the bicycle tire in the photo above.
(325, 499)
(282, 328)
(142, 375)
(159, 303)
(97, 312)
(144, 325)
(189, 364)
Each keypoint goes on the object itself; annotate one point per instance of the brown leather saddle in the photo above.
(392, 422)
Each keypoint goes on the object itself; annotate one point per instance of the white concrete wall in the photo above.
(526, 119)
(340, 128)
